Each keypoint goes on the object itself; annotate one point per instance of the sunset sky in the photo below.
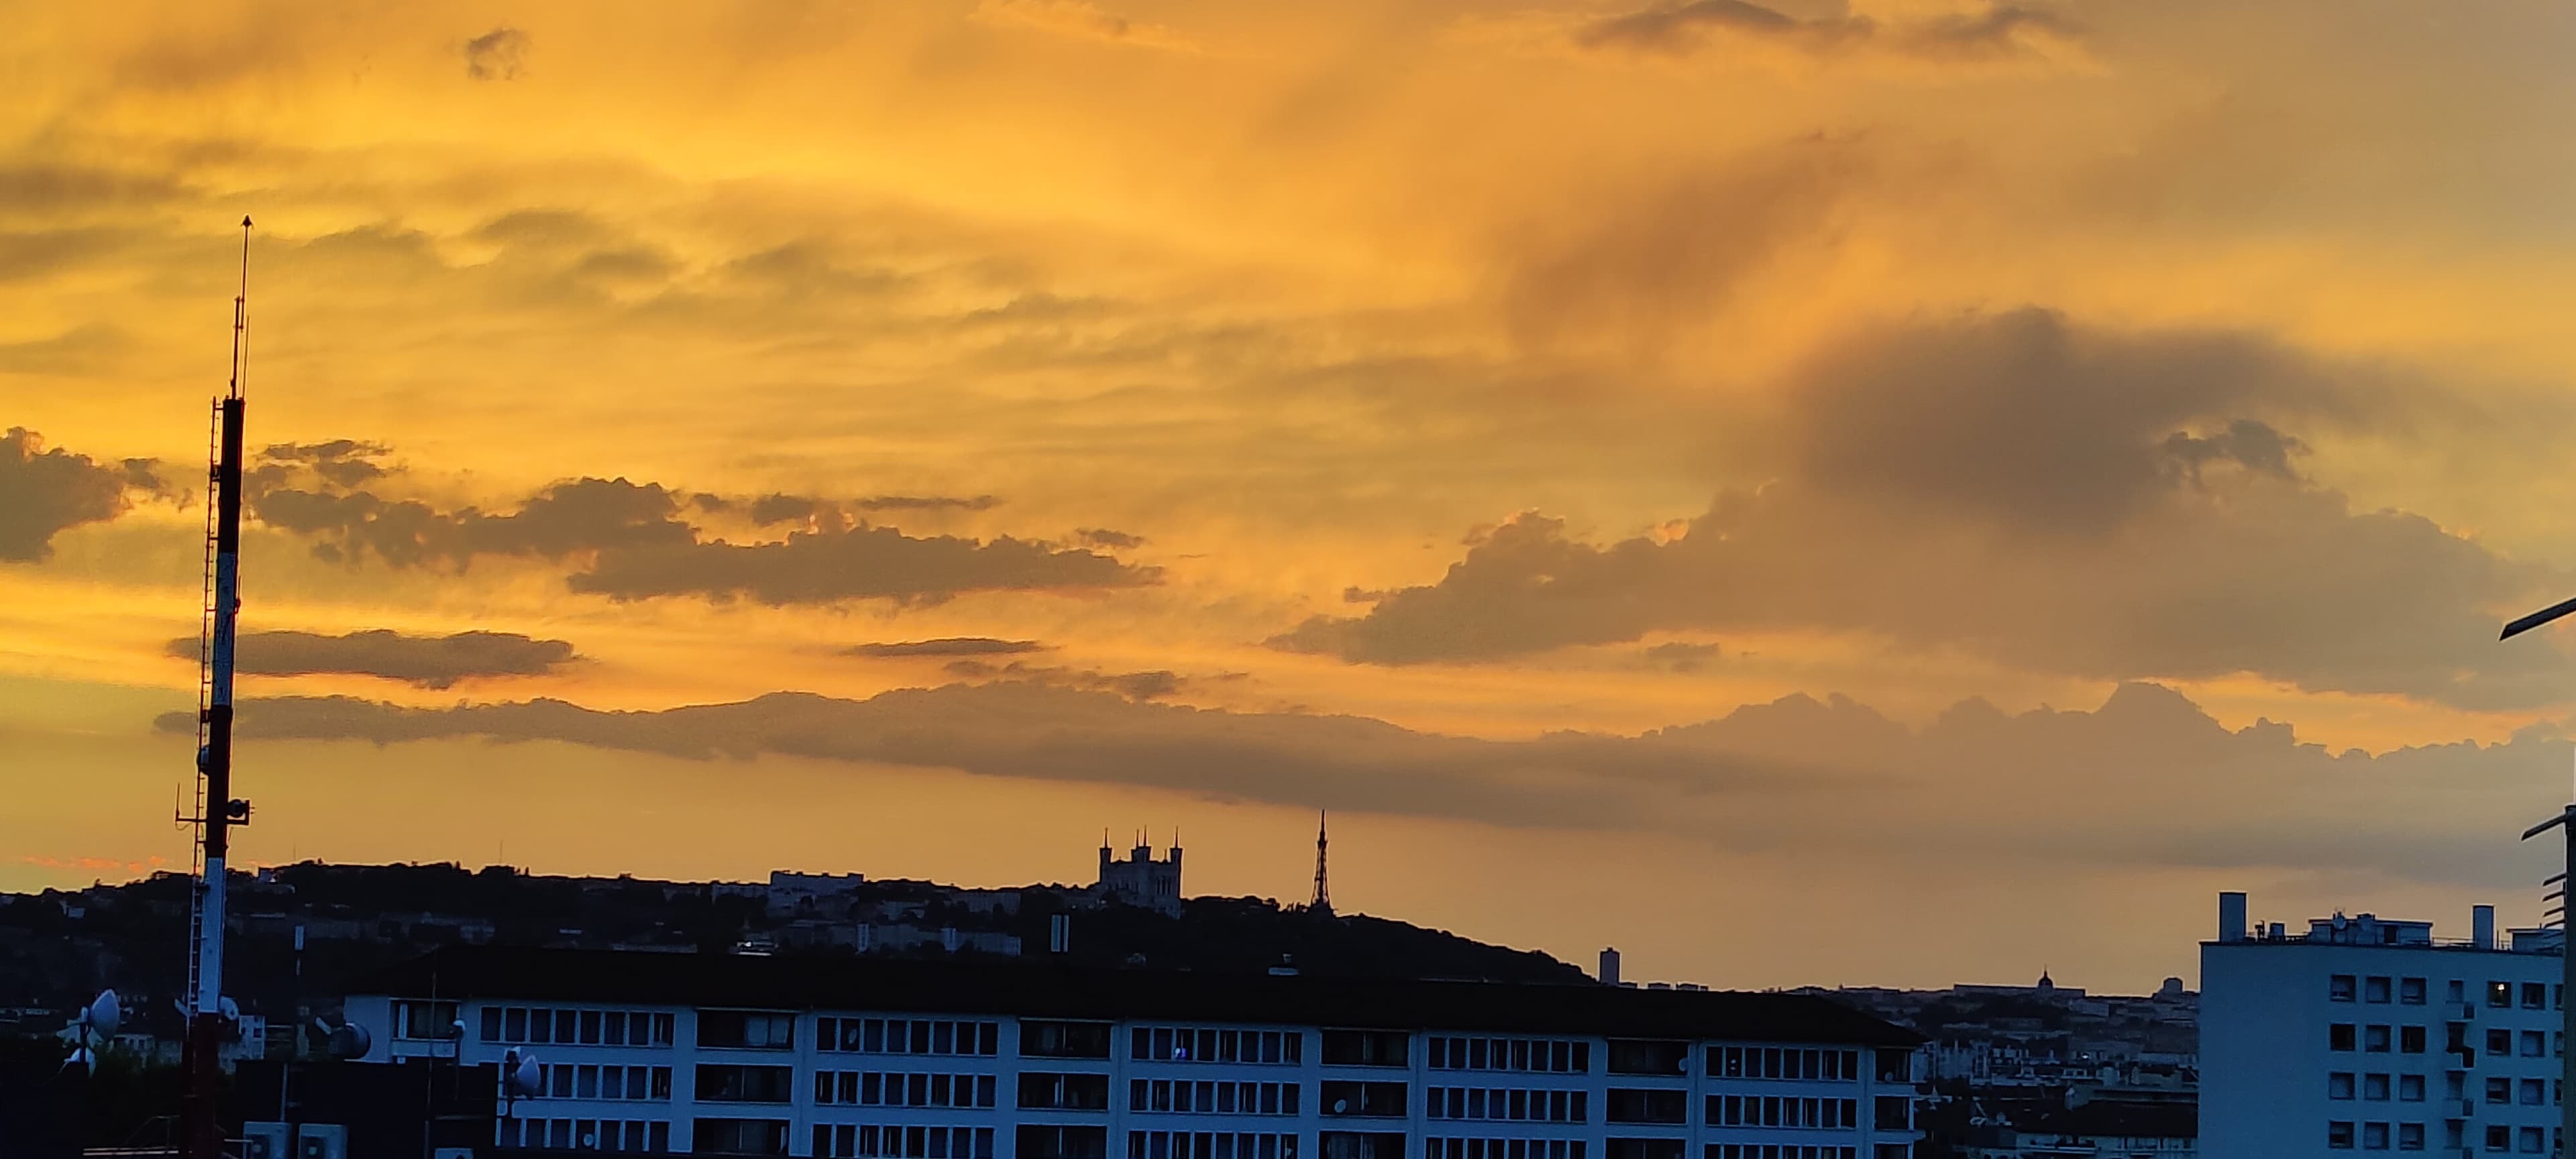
(1886, 492)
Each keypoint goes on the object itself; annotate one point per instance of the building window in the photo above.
(2410, 1136)
(2339, 1135)
(2410, 991)
(2410, 1088)
(1893, 1113)
(1365, 1047)
(1360, 1144)
(2374, 1039)
(746, 1029)
(1648, 1057)
(737, 1083)
(2533, 1142)
(1364, 1100)
(2500, 1043)
(2374, 1087)
(739, 1136)
(2535, 1092)
(2499, 994)
(425, 1021)
(2375, 989)
(2410, 1040)
(2339, 1085)
(2374, 1136)
(2499, 1090)
(1040, 1090)
(2340, 1036)
(2339, 987)
(1642, 1148)
(2535, 996)
(1037, 1142)
(1634, 1105)
(1064, 1039)
(2534, 1044)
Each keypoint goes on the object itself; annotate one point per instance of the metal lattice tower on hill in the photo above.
(1323, 903)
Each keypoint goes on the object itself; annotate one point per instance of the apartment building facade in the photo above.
(908, 1059)
(2362, 1034)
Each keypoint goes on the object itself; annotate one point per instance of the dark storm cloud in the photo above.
(421, 661)
(824, 566)
(1999, 31)
(496, 55)
(1131, 685)
(1105, 537)
(44, 492)
(2104, 506)
(1797, 770)
(566, 519)
(344, 463)
(947, 646)
(926, 503)
(631, 541)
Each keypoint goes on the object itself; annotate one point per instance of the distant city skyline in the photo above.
(1893, 493)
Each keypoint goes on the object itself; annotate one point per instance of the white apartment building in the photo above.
(2361, 1034)
(1035, 1059)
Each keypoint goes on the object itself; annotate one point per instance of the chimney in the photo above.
(1059, 933)
(1609, 972)
(2482, 927)
(2231, 916)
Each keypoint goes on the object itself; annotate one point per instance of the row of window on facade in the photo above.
(2381, 989)
(2344, 1135)
(586, 1134)
(901, 1089)
(740, 1136)
(849, 1141)
(771, 1030)
(542, 1026)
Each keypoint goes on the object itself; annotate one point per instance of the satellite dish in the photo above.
(526, 1080)
(347, 1040)
(230, 1011)
(1341, 1106)
(103, 1014)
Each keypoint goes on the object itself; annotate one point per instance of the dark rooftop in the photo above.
(1042, 989)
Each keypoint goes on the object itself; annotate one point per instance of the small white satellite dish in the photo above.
(103, 1014)
(1341, 1106)
(527, 1081)
(230, 1010)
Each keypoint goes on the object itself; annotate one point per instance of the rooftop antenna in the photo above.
(201, 1134)
(1323, 903)
(2565, 822)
